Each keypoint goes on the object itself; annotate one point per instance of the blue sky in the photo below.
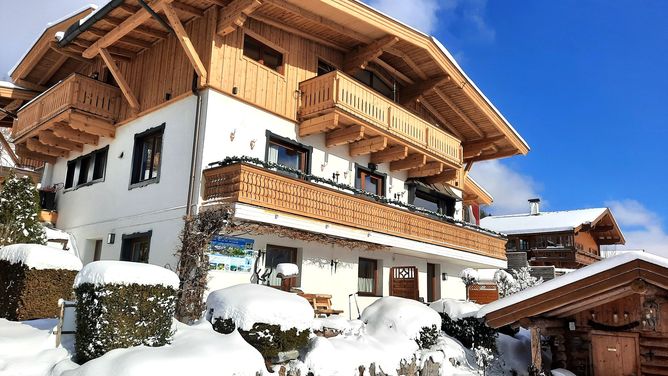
(583, 81)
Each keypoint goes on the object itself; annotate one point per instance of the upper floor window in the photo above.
(263, 54)
(287, 153)
(432, 200)
(147, 156)
(374, 81)
(87, 169)
(136, 247)
(324, 67)
(370, 181)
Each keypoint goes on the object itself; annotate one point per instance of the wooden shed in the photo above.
(607, 319)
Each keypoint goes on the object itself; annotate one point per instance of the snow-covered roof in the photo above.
(126, 273)
(566, 220)
(10, 85)
(39, 257)
(566, 279)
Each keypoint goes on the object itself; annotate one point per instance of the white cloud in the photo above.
(510, 189)
(420, 14)
(642, 228)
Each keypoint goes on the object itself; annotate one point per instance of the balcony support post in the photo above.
(368, 146)
(391, 154)
(186, 43)
(430, 169)
(319, 124)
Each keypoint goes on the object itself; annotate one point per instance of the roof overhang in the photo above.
(474, 192)
(604, 229)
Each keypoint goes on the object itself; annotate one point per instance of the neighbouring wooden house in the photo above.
(567, 239)
(606, 319)
(143, 104)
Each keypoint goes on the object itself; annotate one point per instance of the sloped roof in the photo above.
(566, 220)
(591, 280)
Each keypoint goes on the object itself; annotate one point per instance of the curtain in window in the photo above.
(365, 284)
(272, 153)
(471, 216)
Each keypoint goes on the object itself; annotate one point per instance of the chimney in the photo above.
(534, 204)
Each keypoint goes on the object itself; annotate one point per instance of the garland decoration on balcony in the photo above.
(334, 184)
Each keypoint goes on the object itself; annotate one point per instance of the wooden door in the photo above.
(432, 283)
(615, 354)
(404, 282)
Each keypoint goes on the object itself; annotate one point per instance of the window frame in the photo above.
(76, 169)
(290, 144)
(376, 280)
(264, 44)
(137, 154)
(360, 183)
(414, 189)
(126, 241)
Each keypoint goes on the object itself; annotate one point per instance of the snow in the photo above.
(469, 273)
(195, 350)
(39, 257)
(566, 279)
(515, 351)
(10, 85)
(562, 372)
(247, 304)
(544, 222)
(125, 273)
(455, 309)
(287, 270)
(398, 317)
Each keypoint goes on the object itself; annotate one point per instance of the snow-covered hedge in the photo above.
(123, 304)
(271, 320)
(33, 278)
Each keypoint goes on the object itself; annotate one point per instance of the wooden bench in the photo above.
(321, 303)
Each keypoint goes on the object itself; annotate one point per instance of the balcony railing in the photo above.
(75, 92)
(257, 186)
(568, 255)
(338, 91)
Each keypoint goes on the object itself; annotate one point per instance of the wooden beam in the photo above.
(129, 8)
(430, 169)
(445, 98)
(393, 71)
(220, 3)
(144, 30)
(414, 91)
(443, 177)
(536, 351)
(123, 29)
(186, 43)
(410, 162)
(474, 148)
(409, 61)
(368, 146)
(320, 20)
(8, 149)
(38, 147)
(126, 39)
(11, 107)
(24, 152)
(439, 117)
(64, 131)
(52, 69)
(116, 51)
(391, 154)
(319, 124)
(294, 30)
(189, 9)
(96, 125)
(344, 135)
(359, 58)
(120, 80)
(30, 85)
(234, 15)
(597, 300)
(49, 138)
(71, 55)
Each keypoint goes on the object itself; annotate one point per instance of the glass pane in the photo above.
(426, 202)
(366, 276)
(147, 153)
(156, 156)
(100, 163)
(83, 170)
(277, 256)
(371, 184)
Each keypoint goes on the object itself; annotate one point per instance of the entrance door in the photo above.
(432, 283)
(615, 354)
(404, 282)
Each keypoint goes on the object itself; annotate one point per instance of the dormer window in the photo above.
(263, 54)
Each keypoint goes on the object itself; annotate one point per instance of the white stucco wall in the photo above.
(91, 212)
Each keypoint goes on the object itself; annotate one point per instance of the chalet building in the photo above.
(353, 135)
(567, 239)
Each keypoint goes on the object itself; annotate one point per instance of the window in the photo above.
(324, 67)
(287, 153)
(87, 169)
(431, 200)
(97, 254)
(263, 54)
(374, 81)
(136, 247)
(147, 156)
(370, 181)
(278, 255)
(367, 277)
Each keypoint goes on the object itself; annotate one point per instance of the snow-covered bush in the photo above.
(33, 278)
(123, 304)
(515, 281)
(19, 212)
(470, 331)
(469, 276)
(401, 317)
(483, 357)
(270, 320)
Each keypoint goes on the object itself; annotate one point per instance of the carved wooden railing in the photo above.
(338, 90)
(257, 186)
(75, 92)
(564, 255)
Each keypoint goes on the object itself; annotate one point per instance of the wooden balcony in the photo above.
(351, 113)
(256, 186)
(74, 112)
(562, 257)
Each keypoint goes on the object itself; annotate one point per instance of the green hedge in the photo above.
(27, 294)
(470, 331)
(118, 316)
